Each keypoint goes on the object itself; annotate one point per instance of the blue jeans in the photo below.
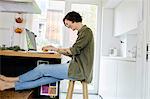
(41, 75)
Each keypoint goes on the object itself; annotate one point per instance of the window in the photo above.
(49, 22)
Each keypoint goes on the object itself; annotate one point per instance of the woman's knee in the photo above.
(40, 67)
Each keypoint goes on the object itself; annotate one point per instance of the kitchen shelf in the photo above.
(120, 58)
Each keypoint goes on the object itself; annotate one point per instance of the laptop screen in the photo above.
(31, 42)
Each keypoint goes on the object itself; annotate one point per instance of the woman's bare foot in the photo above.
(9, 79)
(6, 85)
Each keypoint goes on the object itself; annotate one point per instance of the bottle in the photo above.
(114, 51)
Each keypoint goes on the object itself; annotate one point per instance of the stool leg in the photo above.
(85, 90)
(70, 89)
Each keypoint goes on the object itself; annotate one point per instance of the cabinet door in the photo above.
(107, 88)
(126, 80)
(148, 90)
(148, 15)
(125, 17)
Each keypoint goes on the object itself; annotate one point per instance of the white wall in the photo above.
(6, 28)
(129, 45)
(108, 40)
(7, 35)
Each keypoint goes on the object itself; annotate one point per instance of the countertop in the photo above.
(29, 54)
(120, 58)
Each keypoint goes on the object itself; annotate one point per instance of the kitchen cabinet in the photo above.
(108, 79)
(148, 40)
(126, 80)
(148, 18)
(125, 17)
(117, 79)
(148, 91)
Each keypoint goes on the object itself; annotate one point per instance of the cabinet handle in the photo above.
(42, 62)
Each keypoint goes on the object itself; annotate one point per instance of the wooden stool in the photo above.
(71, 87)
(12, 94)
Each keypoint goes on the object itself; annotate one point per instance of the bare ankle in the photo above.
(6, 85)
(9, 79)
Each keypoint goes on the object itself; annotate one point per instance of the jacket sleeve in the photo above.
(81, 42)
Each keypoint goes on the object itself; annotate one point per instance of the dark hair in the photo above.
(73, 16)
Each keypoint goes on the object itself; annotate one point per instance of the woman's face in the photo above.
(70, 24)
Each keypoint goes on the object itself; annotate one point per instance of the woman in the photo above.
(79, 68)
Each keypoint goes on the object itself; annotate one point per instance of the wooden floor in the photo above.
(12, 94)
(79, 96)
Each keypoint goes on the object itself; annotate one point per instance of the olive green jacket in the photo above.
(81, 65)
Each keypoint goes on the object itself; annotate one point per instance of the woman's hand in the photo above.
(49, 48)
(65, 51)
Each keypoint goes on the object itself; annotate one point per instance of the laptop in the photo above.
(31, 42)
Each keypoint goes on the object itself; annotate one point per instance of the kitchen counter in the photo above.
(29, 54)
(120, 58)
